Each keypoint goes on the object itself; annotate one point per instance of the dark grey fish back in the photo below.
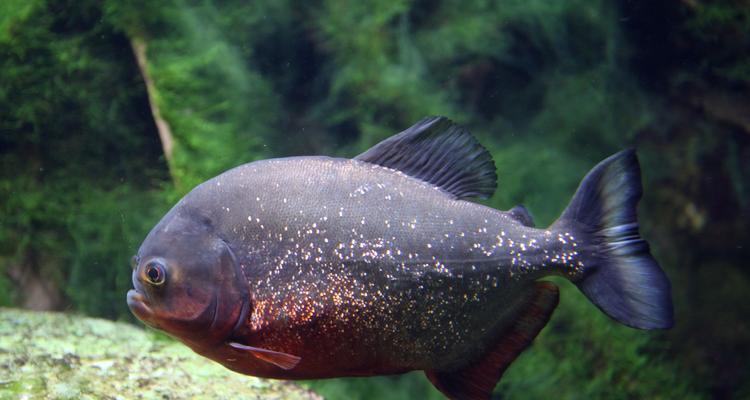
(260, 207)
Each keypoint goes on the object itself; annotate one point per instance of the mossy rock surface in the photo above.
(64, 356)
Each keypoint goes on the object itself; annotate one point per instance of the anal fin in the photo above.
(478, 379)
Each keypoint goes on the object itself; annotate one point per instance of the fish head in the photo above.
(187, 282)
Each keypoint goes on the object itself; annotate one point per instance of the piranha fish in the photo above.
(318, 267)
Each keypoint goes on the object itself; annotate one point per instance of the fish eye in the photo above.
(134, 261)
(155, 273)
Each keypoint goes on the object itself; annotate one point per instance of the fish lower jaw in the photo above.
(138, 306)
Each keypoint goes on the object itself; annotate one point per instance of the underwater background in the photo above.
(110, 111)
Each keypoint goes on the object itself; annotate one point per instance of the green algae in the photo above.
(65, 356)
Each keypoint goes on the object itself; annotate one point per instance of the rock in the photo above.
(64, 356)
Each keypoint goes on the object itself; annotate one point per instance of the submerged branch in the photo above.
(165, 132)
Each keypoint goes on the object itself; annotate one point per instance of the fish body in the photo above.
(318, 267)
(375, 278)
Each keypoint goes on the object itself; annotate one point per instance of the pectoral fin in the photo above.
(279, 359)
(477, 379)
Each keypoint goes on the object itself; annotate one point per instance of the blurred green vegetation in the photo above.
(549, 87)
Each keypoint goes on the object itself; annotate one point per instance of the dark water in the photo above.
(110, 111)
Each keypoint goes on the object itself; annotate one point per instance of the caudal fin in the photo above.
(620, 275)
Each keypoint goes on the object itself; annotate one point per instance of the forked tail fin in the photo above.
(620, 275)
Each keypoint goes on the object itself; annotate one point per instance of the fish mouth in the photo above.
(138, 306)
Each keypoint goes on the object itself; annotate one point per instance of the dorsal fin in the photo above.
(440, 152)
(478, 379)
(522, 215)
